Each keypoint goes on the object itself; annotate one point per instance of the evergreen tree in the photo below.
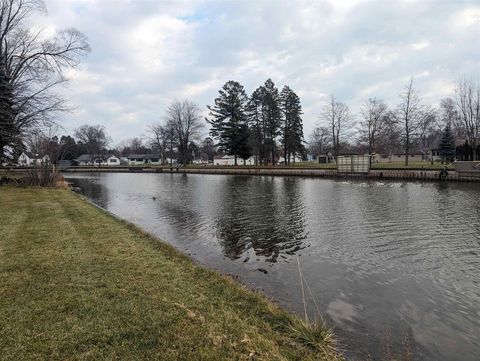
(8, 131)
(447, 145)
(291, 124)
(244, 149)
(272, 117)
(257, 125)
(228, 119)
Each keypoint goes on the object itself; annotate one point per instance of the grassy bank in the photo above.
(78, 284)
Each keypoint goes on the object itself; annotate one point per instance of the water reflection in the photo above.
(383, 260)
(262, 214)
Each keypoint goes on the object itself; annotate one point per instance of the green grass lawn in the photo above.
(78, 284)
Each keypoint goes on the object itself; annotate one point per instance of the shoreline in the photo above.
(88, 284)
(374, 174)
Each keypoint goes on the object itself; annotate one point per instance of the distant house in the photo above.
(28, 159)
(293, 159)
(415, 157)
(224, 160)
(230, 160)
(199, 161)
(113, 160)
(84, 160)
(435, 155)
(139, 159)
(325, 158)
(381, 158)
(398, 157)
(170, 160)
(91, 160)
(64, 163)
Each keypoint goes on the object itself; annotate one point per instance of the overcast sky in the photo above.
(147, 53)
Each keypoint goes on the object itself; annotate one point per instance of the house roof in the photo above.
(84, 158)
(414, 153)
(33, 156)
(143, 156)
(29, 154)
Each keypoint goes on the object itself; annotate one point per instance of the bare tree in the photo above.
(130, 145)
(429, 130)
(411, 114)
(162, 139)
(389, 139)
(374, 113)
(31, 66)
(45, 141)
(320, 141)
(449, 117)
(337, 116)
(184, 118)
(94, 138)
(467, 99)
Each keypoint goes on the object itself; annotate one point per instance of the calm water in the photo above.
(384, 262)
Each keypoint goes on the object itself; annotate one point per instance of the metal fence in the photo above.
(353, 164)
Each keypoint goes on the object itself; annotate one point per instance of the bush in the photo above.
(43, 175)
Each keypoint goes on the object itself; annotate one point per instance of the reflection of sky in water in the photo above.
(379, 258)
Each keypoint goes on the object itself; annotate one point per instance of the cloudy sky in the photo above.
(147, 53)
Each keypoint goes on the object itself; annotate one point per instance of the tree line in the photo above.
(246, 126)
(269, 123)
(409, 126)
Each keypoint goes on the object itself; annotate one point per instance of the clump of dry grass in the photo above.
(43, 175)
(317, 336)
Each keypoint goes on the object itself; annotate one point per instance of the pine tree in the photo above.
(229, 119)
(291, 124)
(244, 149)
(256, 123)
(272, 117)
(447, 145)
(8, 130)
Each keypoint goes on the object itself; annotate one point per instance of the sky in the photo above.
(148, 53)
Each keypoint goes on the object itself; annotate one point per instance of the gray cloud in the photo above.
(148, 53)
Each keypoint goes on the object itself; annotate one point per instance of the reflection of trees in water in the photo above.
(92, 189)
(264, 214)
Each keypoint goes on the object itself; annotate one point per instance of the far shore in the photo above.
(414, 172)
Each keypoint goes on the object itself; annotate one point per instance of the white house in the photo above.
(27, 159)
(224, 160)
(139, 159)
(230, 160)
(84, 160)
(249, 161)
(90, 160)
(170, 160)
(200, 162)
(293, 159)
(112, 160)
(325, 158)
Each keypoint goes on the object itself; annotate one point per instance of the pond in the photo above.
(389, 265)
